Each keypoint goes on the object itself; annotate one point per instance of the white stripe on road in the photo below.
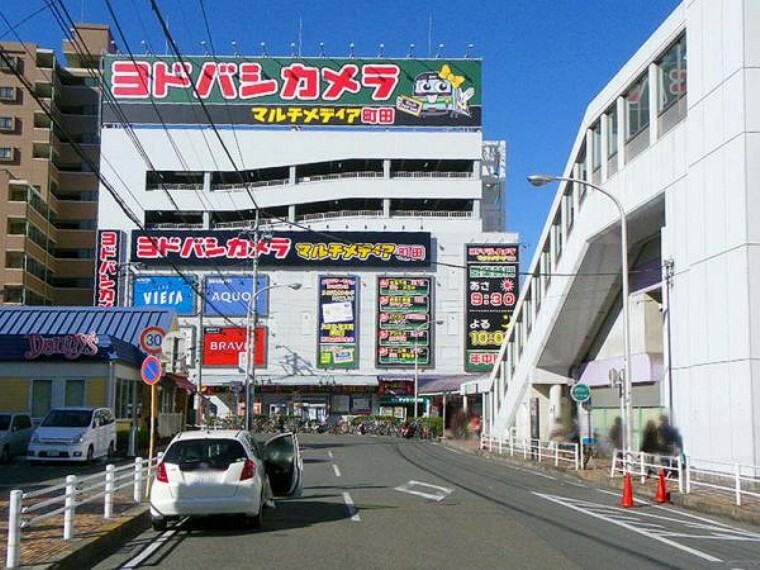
(573, 483)
(329, 454)
(635, 500)
(351, 508)
(148, 552)
(627, 526)
(451, 449)
(703, 519)
(337, 471)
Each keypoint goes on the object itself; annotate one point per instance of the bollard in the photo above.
(687, 466)
(511, 444)
(70, 505)
(13, 554)
(577, 457)
(680, 473)
(556, 454)
(538, 448)
(525, 449)
(613, 463)
(108, 502)
(737, 473)
(501, 442)
(137, 486)
(642, 468)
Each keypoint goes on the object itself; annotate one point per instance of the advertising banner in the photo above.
(492, 290)
(222, 346)
(290, 91)
(111, 253)
(165, 292)
(403, 333)
(230, 296)
(231, 247)
(395, 386)
(338, 322)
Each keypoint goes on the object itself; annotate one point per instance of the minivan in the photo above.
(74, 434)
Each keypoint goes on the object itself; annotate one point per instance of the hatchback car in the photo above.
(224, 472)
(15, 432)
(74, 434)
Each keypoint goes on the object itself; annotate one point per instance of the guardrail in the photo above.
(533, 449)
(28, 509)
(340, 175)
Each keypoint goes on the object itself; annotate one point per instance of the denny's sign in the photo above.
(70, 346)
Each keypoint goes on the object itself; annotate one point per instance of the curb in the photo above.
(90, 551)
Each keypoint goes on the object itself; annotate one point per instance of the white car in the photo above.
(74, 434)
(223, 472)
(15, 431)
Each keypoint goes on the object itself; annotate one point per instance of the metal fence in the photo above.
(556, 453)
(647, 464)
(29, 509)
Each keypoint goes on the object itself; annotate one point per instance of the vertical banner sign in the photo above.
(166, 292)
(222, 346)
(230, 296)
(403, 321)
(492, 289)
(111, 253)
(338, 322)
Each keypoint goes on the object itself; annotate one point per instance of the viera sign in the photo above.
(70, 346)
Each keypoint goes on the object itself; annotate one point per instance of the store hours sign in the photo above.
(492, 289)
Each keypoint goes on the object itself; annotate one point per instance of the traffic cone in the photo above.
(627, 499)
(662, 495)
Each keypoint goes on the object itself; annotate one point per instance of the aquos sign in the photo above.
(230, 296)
(296, 91)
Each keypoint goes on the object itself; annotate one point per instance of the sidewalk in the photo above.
(701, 499)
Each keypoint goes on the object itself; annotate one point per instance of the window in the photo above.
(7, 123)
(637, 107)
(42, 397)
(612, 132)
(8, 93)
(125, 398)
(74, 393)
(14, 260)
(6, 153)
(672, 75)
(22, 422)
(596, 146)
(13, 294)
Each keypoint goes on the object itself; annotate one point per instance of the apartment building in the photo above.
(48, 193)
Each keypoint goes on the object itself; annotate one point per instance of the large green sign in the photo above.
(297, 91)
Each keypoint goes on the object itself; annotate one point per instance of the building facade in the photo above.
(48, 193)
(674, 137)
(352, 187)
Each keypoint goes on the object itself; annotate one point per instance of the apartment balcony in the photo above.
(72, 296)
(74, 268)
(76, 239)
(73, 210)
(81, 181)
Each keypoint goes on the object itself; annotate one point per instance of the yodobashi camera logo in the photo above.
(70, 346)
(437, 93)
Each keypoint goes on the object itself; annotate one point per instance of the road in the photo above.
(373, 502)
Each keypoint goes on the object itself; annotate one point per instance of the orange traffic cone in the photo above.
(662, 495)
(627, 499)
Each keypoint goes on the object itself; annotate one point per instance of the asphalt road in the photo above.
(374, 502)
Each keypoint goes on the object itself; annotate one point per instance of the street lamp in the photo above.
(543, 179)
(419, 327)
(252, 319)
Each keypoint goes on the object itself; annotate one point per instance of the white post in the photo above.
(688, 474)
(680, 474)
(13, 554)
(577, 457)
(501, 442)
(69, 504)
(511, 444)
(738, 475)
(642, 468)
(138, 476)
(525, 449)
(614, 462)
(538, 447)
(556, 454)
(110, 484)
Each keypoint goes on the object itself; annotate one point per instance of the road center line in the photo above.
(337, 471)
(615, 521)
(351, 507)
(329, 454)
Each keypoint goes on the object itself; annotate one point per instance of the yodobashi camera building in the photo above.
(380, 240)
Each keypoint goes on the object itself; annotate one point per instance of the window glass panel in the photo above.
(637, 105)
(42, 397)
(74, 393)
(596, 145)
(673, 74)
(612, 132)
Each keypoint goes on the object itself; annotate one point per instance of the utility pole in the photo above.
(199, 355)
(252, 317)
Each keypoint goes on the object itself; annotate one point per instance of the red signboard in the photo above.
(110, 254)
(222, 346)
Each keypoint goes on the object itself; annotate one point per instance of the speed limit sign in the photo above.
(152, 339)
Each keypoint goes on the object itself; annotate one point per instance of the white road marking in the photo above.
(351, 507)
(329, 454)
(413, 488)
(152, 547)
(703, 519)
(616, 520)
(635, 500)
(337, 471)
(573, 483)
(451, 449)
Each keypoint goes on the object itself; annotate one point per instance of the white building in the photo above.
(676, 140)
(441, 184)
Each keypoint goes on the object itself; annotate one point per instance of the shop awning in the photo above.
(437, 385)
(180, 381)
(272, 379)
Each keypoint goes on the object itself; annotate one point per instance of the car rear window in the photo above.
(205, 453)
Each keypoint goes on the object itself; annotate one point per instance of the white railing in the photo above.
(248, 224)
(28, 509)
(340, 214)
(251, 184)
(339, 175)
(735, 478)
(173, 226)
(408, 174)
(174, 186)
(429, 214)
(647, 464)
(533, 449)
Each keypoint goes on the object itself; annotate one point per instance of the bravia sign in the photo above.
(296, 91)
(492, 282)
(231, 247)
(222, 346)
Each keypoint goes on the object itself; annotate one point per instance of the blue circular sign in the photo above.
(151, 370)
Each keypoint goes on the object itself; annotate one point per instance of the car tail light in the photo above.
(161, 473)
(249, 470)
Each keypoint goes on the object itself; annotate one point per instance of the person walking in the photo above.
(650, 444)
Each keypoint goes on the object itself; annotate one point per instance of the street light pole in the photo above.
(421, 326)
(543, 179)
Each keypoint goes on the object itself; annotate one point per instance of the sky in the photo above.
(543, 60)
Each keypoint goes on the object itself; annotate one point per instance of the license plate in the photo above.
(53, 453)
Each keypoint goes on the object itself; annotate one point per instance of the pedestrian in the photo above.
(670, 442)
(650, 444)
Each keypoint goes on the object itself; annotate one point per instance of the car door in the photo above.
(284, 465)
(22, 432)
(98, 430)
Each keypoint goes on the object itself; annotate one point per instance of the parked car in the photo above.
(224, 472)
(15, 432)
(74, 434)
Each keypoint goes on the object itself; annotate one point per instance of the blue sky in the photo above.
(543, 60)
